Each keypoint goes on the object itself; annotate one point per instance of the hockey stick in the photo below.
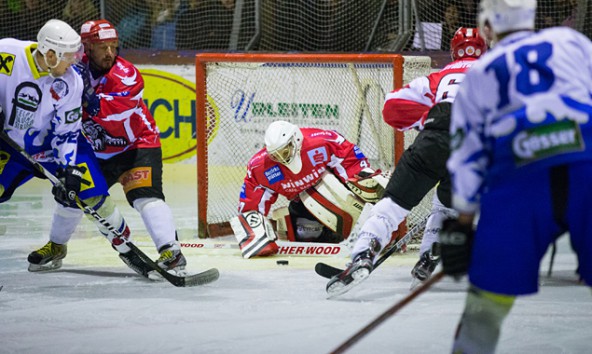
(190, 280)
(388, 313)
(328, 271)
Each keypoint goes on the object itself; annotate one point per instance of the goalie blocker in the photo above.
(333, 206)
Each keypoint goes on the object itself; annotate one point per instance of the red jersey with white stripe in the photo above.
(124, 117)
(322, 150)
(408, 107)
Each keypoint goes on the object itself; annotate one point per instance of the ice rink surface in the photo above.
(95, 304)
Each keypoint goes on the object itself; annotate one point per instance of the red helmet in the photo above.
(466, 43)
(98, 31)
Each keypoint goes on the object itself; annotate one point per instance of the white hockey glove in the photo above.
(254, 234)
(369, 185)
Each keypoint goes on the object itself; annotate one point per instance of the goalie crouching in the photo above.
(326, 178)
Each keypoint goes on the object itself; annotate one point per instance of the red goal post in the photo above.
(238, 95)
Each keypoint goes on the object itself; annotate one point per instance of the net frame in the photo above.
(202, 60)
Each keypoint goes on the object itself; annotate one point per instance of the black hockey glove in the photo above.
(90, 100)
(71, 178)
(456, 240)
(438, 117)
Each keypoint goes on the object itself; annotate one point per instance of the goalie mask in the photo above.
(507, 15)
(283, 141)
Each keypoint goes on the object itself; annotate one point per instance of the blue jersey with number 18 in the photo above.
(525, 105)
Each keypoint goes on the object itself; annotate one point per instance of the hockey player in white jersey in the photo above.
(41, 97)
(521, 155)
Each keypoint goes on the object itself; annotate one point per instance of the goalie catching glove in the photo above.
(456, 240)
(369, 185)
(255, 234)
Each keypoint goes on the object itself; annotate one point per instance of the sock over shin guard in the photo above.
(158, 219)
(480, 325)
(107, 209)
(65, 220)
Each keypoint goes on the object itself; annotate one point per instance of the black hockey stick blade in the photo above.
(202, 278)
(327, 271)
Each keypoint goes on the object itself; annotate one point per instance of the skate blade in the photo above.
(155, 276)
(339, 288)
(415, 283)
(48, 267)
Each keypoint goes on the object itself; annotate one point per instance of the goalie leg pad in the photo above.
(254, 234)
(284, 227)
(333, 204)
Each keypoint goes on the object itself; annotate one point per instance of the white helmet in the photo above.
(507, 15)
(60, 37)
(283, 141)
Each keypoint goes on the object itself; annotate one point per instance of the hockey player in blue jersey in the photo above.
(521, 157)
(41, 95)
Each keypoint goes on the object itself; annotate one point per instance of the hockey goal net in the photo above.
(239, 95)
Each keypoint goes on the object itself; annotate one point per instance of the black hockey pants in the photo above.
(423, 164)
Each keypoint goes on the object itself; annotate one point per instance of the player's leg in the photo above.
(512, 236)
(142, 183)
(578, 218)
(481, 321)
(408, 184)
(429, 249)
(15, 170)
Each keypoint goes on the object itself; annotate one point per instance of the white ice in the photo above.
(95, 304)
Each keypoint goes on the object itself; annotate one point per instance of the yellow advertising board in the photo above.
(171, 100)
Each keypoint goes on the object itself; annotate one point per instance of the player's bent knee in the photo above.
(388, 209)
(102, 204)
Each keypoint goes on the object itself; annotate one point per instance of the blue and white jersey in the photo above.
(525, 105)
(42, 113)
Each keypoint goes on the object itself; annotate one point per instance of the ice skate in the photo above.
(171, 259)
(425, 266)
(356, 272)
(48, 257)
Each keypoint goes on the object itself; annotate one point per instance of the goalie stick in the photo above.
(204, 277)
(328, 271)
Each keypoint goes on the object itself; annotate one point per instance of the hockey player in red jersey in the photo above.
(125, 137)
(424, 104)
(311, 168)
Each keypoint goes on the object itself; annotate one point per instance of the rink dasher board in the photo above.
(285, 248)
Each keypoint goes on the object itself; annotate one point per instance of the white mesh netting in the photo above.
(243, 98)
